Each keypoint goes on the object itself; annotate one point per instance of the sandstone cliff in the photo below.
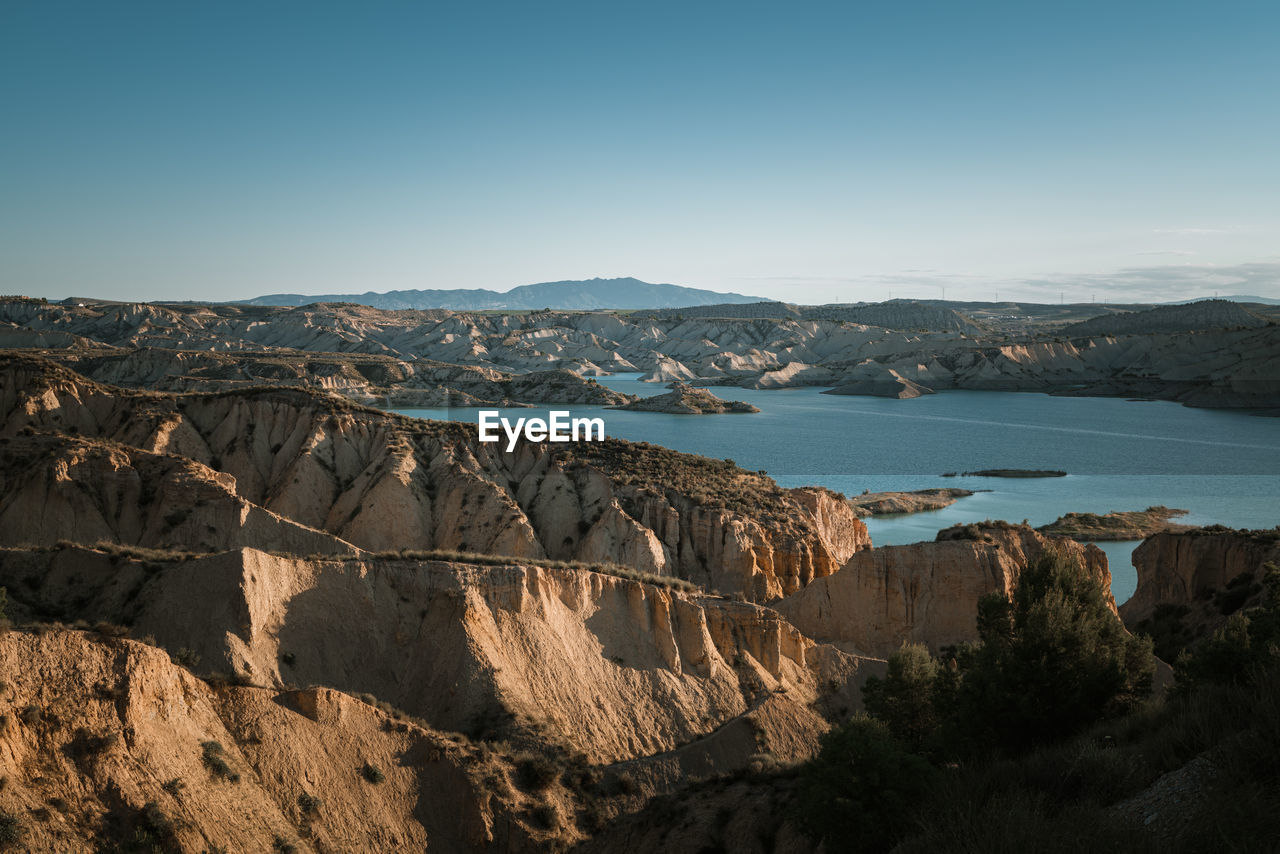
(607, 667)
(1188, 567)
(922, 593)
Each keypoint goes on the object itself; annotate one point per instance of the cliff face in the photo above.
(603, 666)
(922, 593)
(380, 482)
(1182, 568)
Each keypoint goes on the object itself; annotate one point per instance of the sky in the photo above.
(813, 152)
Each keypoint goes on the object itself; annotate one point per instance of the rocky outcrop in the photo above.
(893, 314)
(922, 593)
(1181, 569)
(876, 380)
(380, 482)
(686, 400)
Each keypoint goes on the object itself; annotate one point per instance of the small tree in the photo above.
(905, 698)
(1050, 661)
(863, 790)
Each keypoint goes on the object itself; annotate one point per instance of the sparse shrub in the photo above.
(372, 773)
(308, 804)
(86, 744)
(185, 657)
(111, 630)
(10, 828)
(288, 658)
(535, 772)
(1246, 645)
(211, 753)
(174, 786)
(31, 714)
(545, 816)
(1050, 662)
(283, 846)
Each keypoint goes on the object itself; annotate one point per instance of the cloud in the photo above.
(1163, 283)
(1135, 284)
(1179, 252)
(1194, 231)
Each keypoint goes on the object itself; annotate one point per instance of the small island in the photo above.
(887, 503)
(1116, 525)
(686, 400)
(1008, 473)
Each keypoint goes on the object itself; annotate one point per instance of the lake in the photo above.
(1224, 467)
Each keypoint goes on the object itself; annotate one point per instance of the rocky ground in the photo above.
(889, 503)
(686, 400)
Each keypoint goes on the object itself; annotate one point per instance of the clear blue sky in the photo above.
(807, 151)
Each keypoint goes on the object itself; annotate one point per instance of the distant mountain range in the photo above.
(580, 295)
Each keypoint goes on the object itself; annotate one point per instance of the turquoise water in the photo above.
(1224, 467)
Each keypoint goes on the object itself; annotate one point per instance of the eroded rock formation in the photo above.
(922, 593)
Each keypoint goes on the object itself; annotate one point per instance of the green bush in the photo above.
(535, 772)
(1247, 644)
(212, 754)
(372, 773)
(10, 828)
(905, 698)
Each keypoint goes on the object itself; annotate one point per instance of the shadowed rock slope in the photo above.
(1191, 582)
